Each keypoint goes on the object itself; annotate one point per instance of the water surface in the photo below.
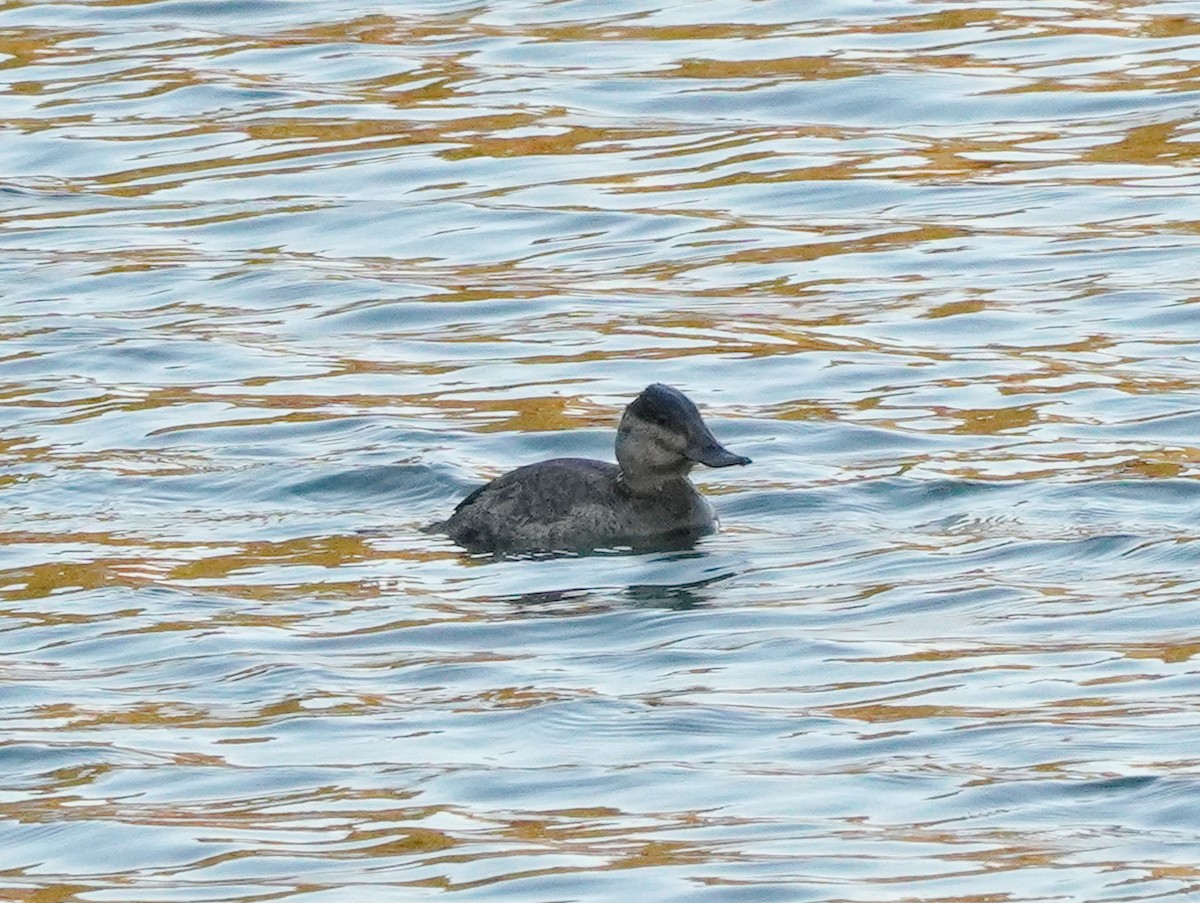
(284, 281)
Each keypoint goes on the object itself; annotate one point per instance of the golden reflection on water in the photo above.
(283, 283)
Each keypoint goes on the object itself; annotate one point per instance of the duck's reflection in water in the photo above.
(674, 596)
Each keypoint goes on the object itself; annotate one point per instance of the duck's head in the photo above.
(662, 436)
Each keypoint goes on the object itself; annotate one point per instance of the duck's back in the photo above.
(571, 504)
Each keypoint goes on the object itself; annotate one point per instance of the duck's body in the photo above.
(578, 504)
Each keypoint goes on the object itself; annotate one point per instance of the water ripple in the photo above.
(284, 281)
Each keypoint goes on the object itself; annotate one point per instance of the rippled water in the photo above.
(283, 281)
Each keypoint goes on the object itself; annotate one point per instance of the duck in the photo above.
(643, 502)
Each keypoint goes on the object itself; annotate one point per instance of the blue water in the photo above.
(283, 282)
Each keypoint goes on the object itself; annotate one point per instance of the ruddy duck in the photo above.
(644, 501)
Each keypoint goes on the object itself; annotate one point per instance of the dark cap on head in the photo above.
(672, 410)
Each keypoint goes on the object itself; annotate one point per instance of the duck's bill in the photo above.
(714, 454)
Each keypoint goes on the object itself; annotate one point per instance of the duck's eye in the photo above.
(660, 418)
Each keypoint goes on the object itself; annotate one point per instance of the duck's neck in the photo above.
(643, 481)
